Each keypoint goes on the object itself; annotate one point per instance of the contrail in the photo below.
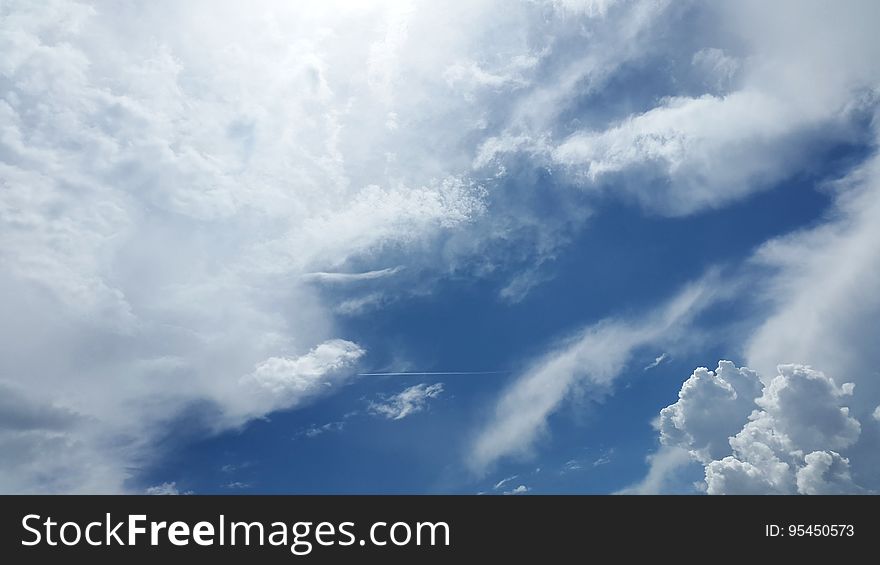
(407, 373)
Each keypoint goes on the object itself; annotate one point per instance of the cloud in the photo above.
(361, 304)
(411, 400)
(342, 278)
(521, 489)
(657, 361)
(233, 467)
(284, 382)
(711, 407)
(503, 482)
(746, 117)
(821, 306)
(592, 358)
(604, 459)
(821, 300)
(314, 431)
(163, 489)
(662, 467)
(788, 436)
(175, 178)
(171, 176)
(818, 307)
(174, 175)
(571, 465)
(237, 485)
(709, 149)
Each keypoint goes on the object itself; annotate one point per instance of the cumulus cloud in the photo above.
(409, 401)
(788, 436)
(753, 120)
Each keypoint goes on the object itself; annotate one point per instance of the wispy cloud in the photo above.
(657, 361)
(407, 402)
(604, 459)
(315, 431)
(503, 482)
(342, 278)
(521, 489)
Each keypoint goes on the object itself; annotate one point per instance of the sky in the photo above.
(483, 247)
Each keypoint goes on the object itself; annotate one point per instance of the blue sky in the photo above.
(635, 238)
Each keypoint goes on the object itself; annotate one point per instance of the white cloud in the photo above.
(657, 361)
(592, 358)
(341, 278)
(163, 489)
(711, 407)
(315, 431)
(521, 489)
(522, 283)
(284, 382)
(719, 68)
(661, 471)
(756, 118)
(409, 401)
(825, 472)
(604, 459)
(233, 467)
(237, 485)
(571, 465)
(819, 306)
(822, 306)
(707, 150)
(174, 175)
(503, 482)
(788, 436)
(361, 304)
